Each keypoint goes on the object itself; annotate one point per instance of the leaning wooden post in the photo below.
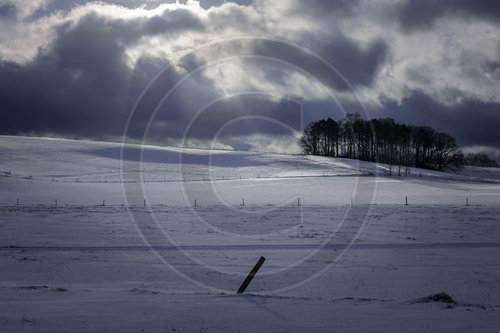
(250, 276)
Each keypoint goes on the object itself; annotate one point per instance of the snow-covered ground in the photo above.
(81, 266)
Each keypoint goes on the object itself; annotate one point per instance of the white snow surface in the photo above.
(70, 263)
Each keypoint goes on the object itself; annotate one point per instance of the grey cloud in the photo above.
(282, 117)
(8, 12)
(78, 86)
(423, 13)
(492, 66)
(471, 122)
(320, 8)
(357, 66)
(81, 86)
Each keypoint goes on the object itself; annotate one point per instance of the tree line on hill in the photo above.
(387, 141)
(479, 159)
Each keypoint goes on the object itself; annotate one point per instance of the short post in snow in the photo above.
(467, 201)
(243, 202)
(104, 202)
(298, 201)
(17, 201)
(144, 202)
(55, 202)
(195, 202)
(406, 201)
(250, 276)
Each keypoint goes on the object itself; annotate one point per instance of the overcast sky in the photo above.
(75, 69)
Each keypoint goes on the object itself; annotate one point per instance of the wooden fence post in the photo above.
(250, 276)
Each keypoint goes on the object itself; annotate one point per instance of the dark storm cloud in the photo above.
(356, 66)
(78, 86)
(423, 13)
(7, 12)
(170, 22)
(491, 66)
(320, 8)
(209, 114)
(231, 117)
(472, 122)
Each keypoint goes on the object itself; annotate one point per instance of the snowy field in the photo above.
(74, 259)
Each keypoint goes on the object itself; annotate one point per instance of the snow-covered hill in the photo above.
(94, 161)
(84, 266)
(41, 170)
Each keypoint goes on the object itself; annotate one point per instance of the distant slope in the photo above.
(41, 170)
(93, 161)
